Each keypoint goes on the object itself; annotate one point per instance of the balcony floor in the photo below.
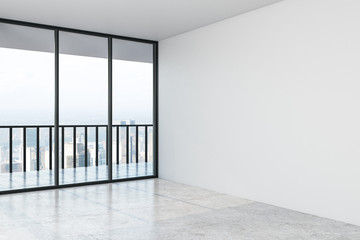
(32, 179)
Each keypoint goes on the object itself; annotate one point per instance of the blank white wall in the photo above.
(265, 106)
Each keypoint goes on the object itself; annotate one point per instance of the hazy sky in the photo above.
(27, 89)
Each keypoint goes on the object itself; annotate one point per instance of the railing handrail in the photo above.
(80, 125)
(75, 127)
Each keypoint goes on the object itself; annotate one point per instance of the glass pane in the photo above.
(132, 107)
(26, 98)
(83, 103)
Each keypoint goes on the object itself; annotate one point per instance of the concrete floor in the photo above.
(156, 209)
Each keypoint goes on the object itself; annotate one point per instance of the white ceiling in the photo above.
(148, 19)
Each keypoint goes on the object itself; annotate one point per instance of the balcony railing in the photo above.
(62, 141)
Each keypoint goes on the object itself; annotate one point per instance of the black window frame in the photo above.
(110, 37)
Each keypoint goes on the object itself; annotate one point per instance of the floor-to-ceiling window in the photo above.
(132, 109)
(26, 107)
(83, 85)
(95, 92)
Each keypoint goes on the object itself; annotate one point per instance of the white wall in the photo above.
(266, 106)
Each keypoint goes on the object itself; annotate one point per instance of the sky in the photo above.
(27, 89)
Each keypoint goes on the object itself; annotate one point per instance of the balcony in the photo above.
(27, 154)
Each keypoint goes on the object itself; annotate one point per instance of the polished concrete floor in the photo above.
(32, 179)
(156, 209)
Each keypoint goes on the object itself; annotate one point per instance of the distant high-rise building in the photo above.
(102, 155)
(31, 137)
(150, 146)
(127, 122)
(131, 137)
(1, 154)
